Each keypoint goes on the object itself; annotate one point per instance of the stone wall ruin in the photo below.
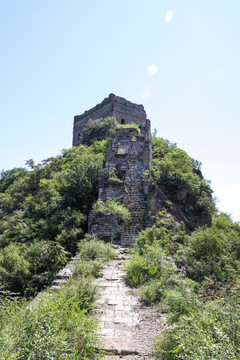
(123, 110)
(130, 157)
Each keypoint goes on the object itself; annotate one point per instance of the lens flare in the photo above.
(169, 16)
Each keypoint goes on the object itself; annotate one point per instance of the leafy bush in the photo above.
(152, 292)
(14, 269)
(203, 313)
(44, 215)
(60, 327)
(145, 238)
(213, 252)
(212, 333)
(173, 169)
(93, 252)
(113, 207)
(23, 268)
(98, 129)
(142, 268)
(91, 248)
(179, 302)
(113, 175)
(130, 126)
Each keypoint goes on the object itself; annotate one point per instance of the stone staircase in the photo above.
(137, 206)
(127, 327)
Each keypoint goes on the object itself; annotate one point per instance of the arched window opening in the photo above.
(122, 121)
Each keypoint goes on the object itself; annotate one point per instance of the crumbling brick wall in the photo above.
(127, 164)
(123, 110)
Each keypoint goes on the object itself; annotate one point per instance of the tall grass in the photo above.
(62, 324)
(59, 327)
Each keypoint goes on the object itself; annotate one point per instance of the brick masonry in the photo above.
(123, 110)
(130, 157)
(127, 327)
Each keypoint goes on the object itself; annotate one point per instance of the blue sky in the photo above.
(60, 58)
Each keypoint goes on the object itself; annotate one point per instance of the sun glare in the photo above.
(152, 69)
(169, 16)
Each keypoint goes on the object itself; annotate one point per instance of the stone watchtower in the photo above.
(124, 111)
(129, 158)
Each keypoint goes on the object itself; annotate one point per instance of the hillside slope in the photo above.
(187, 263)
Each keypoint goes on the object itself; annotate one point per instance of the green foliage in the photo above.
(167, 233)
(23, 268)
(44, 215)
(113, 207)
(152, 292)
(8, 177)
(114, 176)
(14, 269)
(98, 129)
(174, 169)
(212, 333)
(60, 327)
(201, 296)
(178, 302)
(213, 252)
(142, 268)
(93, 252)
(146, 175)
(146, 238)
(130, 126)
(91, 248)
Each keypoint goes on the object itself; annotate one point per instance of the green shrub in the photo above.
(152, 292)
(213, 252)
(92, 253)
(88, 268)
(113, 207)
(60, 327)
(145, 238)
(114, 176)
(91, 248)
(44, 214)
(212, 333)
(98, 129)
(175, 170)
(27, 269)
(179, 302)
(130, 126)
(136, 271)
(14, 269)
(142, 268)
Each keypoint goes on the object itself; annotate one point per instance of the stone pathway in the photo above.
(127, 327)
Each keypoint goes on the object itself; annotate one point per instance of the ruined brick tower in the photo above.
(124, 111)
(130, 158)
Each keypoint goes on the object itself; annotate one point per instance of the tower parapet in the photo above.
(123, 110)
